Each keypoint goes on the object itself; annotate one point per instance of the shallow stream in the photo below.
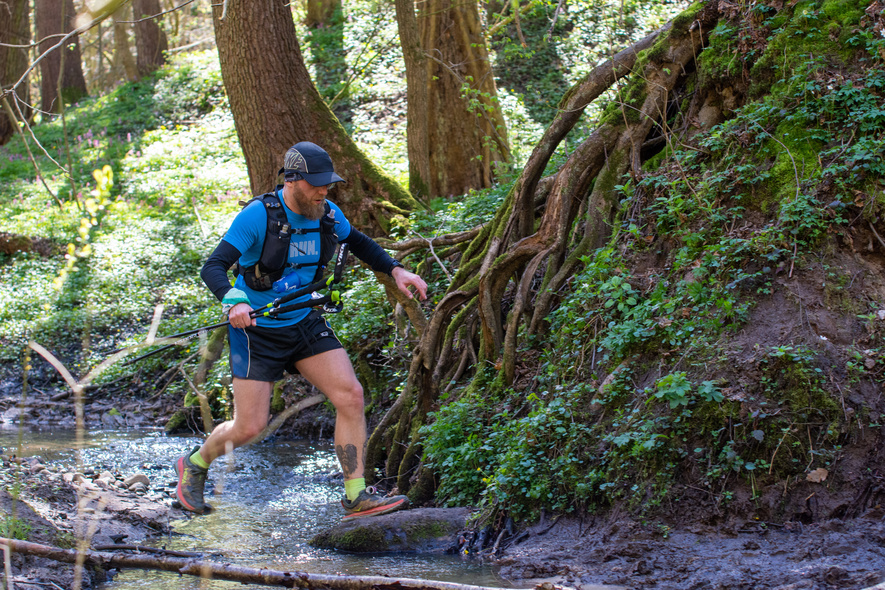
(270, 500)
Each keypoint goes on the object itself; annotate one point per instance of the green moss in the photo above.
(797, 159)
(277, 403)
(720, 60)
(655, 161)
(425, 530)
(609, 177)
(655, 53)
(363, 539)
(778, 21)
(792, 377)
(176, 422)
(845, 12)
(630, 100)
(683, 21)
(422, 491)
(805, 42)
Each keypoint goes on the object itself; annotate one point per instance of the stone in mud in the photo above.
(75, 478)
(423, 530)
(106, 480)
(137, 478)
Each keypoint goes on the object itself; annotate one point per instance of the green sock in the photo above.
(353, 487)
(197, 460)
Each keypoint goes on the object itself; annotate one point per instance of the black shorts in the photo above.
(262, 354)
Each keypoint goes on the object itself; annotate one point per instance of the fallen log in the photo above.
(226, 571)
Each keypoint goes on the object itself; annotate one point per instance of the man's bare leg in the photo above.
(332, 373)
(251, 413)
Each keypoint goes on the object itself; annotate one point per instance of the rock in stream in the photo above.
(422, 530)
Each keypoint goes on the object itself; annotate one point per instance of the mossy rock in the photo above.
(423, 530)
(176, 422)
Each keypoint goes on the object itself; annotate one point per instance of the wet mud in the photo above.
(61, 508)
(833, 554)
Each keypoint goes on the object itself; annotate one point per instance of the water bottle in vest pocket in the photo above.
(287, 282)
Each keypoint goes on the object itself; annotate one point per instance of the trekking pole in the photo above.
(189, 335)
(273, 309)
(316, 286)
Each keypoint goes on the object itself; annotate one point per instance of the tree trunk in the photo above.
(124, 62)
(417, 114)
(509, 274)
(325, 37)
(276, 105)
(56, 17)
(15, 29)
(150, 39)
(466, 134)
(320, 11)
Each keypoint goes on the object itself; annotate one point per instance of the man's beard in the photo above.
(309, 209)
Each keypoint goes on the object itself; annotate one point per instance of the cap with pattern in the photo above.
(310, 162)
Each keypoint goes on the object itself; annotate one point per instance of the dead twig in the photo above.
(435, 257)
(875, 233)
(285, 415)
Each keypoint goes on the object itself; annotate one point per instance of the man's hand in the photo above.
(239, 316)
(405, 279)
(237, 307)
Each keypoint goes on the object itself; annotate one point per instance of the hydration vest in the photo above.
(274, 258)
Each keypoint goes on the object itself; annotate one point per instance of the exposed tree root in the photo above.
(512, 272)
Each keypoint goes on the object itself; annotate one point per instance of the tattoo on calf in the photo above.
(347, 456)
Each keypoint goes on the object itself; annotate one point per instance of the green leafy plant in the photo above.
(674, 388)
(14, 528)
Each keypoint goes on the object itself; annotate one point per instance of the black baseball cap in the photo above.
(310, 162)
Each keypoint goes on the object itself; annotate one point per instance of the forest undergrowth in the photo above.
(724, 350)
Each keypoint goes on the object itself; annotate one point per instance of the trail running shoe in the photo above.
(371, 503)
(191, 481)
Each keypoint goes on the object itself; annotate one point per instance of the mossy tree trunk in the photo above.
(417, 115)
(527, 253)
(456, 131)
(275, 104)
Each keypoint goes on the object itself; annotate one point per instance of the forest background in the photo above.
(662, 286)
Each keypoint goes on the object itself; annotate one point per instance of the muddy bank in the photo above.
(834, 554)
(61, 508)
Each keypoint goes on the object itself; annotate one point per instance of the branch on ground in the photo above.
(226, 571)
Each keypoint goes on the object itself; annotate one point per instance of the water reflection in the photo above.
(270, 500)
